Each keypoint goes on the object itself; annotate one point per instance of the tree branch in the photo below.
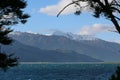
(74, 2)
(117, 18)
(116, 9)
(66, 7)
(117, 3)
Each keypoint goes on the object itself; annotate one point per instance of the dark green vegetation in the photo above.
(116, 76)
(11, 13)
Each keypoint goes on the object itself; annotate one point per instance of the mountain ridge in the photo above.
(74, 36)
(32, 54)
(98, 49)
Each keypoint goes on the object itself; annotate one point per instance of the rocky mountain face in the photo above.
(68, 42)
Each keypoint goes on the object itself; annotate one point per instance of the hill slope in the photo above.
(96, 48)
(32, 54)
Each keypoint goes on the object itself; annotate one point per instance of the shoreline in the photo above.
(69, 62)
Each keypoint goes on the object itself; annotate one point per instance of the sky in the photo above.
(43, 20)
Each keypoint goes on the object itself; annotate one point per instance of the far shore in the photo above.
(69, 62)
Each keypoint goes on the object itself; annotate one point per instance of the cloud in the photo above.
(55, 9)
(95, 28)
(117, 41)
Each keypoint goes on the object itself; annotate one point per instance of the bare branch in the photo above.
(74, 2)
(117, 18)
(116, 3)
(66, 7)
(113, 31)
(115, 9)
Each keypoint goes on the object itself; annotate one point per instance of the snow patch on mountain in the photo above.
(93, 47)
(74, 36)
(15, 33)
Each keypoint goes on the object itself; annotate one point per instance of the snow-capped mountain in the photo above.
(74, 36)
(93, 47)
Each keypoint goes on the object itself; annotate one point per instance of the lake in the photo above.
(60, 71)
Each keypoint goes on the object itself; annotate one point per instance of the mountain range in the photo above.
(62, 47)
(32, 54)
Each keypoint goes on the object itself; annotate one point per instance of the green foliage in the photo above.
(116, 76)
(11, 13)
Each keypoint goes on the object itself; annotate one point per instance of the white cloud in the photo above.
(117, 41)
(55, 9)
(95, 28)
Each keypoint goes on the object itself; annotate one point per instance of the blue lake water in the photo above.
(60, 71)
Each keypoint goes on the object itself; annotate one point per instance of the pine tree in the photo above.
(11, 13)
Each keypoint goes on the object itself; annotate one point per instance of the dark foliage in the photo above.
(4, 39)
(105, 8)
(11, 13)
(116, 76)
(7, 61)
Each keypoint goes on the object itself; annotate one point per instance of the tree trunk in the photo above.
(116, 24)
